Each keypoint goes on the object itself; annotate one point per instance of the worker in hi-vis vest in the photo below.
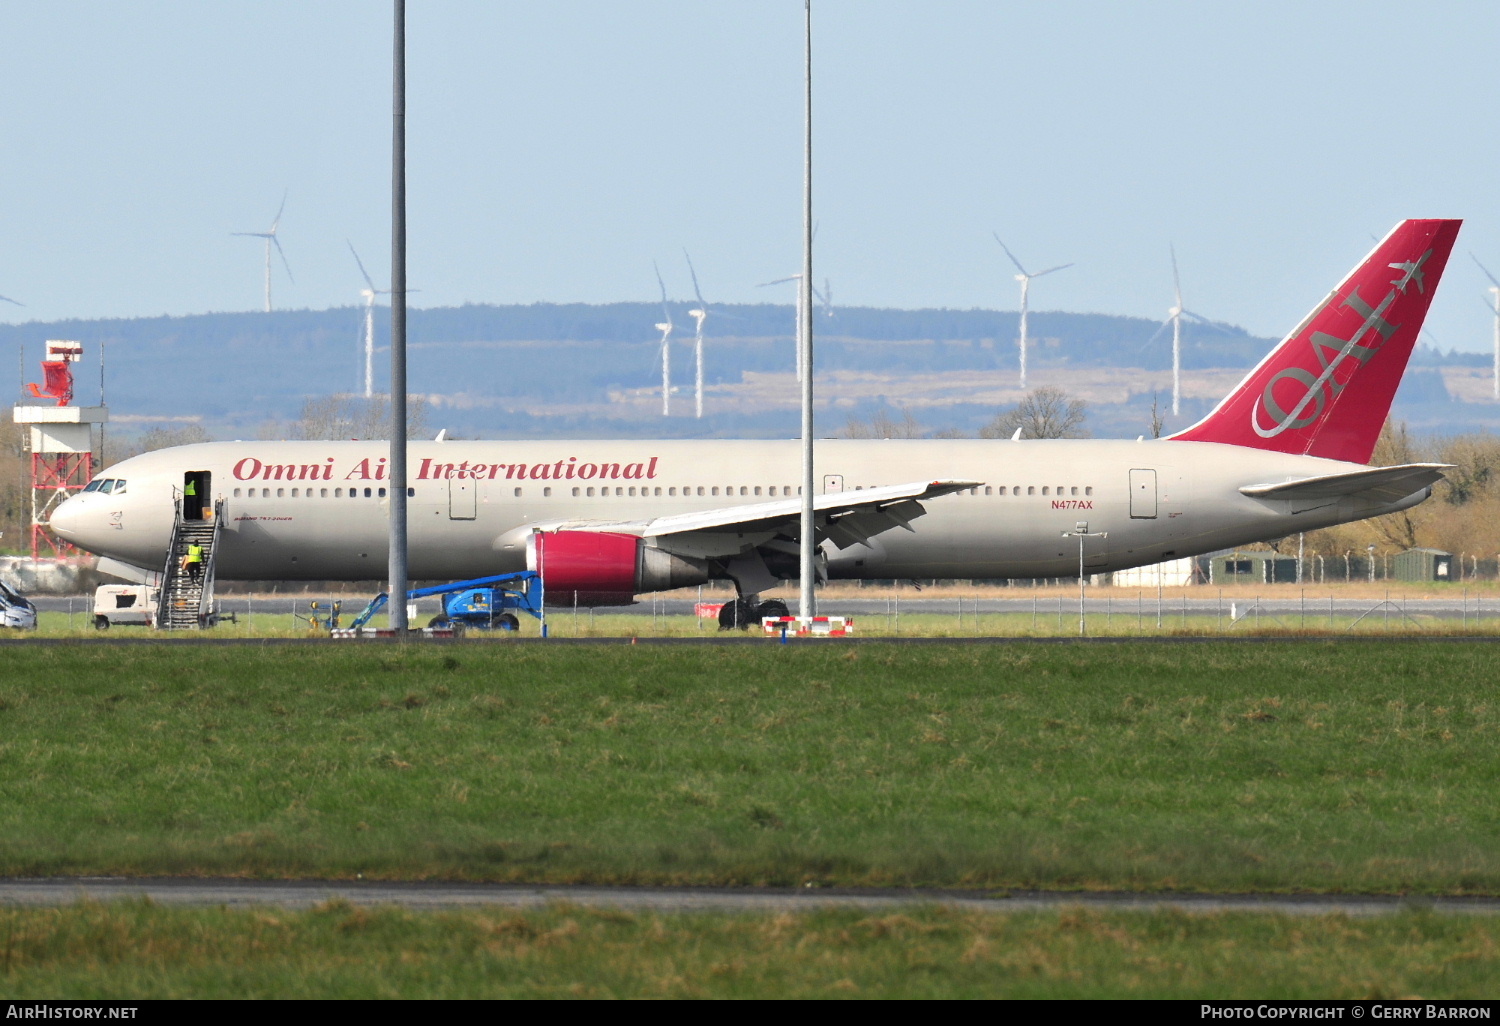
(192, 562)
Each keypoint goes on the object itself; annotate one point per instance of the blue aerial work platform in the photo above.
(484, 602)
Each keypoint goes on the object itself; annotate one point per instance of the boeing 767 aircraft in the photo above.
(606, 521)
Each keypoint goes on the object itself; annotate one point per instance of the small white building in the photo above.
(1174, 573)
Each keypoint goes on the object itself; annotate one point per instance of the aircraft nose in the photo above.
(70, 521)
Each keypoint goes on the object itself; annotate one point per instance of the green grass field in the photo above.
(135, 950)
(1365, 766)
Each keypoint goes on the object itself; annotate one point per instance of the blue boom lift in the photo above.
(484, 602)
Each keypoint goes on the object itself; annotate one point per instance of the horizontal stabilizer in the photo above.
(1381, 484)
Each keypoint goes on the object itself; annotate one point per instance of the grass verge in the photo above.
(1365, 766)
(138, 950)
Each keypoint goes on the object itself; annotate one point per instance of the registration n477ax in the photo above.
(605, 521)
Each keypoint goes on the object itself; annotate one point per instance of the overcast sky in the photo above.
(557, 148)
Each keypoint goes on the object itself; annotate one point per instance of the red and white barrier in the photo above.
(811, 627)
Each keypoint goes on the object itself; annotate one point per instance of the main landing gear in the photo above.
(749, 611)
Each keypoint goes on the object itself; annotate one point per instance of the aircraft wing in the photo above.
(1380, 484)
(845, 518)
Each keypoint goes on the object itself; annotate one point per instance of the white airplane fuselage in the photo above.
(317, 510)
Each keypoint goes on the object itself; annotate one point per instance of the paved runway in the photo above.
(430, 895)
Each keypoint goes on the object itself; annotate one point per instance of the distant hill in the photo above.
(579, 369)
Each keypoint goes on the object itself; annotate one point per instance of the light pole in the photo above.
(1081, 531)
(1371, 550)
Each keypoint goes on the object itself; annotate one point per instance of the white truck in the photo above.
(124, 604)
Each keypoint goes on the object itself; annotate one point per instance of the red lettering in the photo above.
(651, 470)
(247, 469)
(541, 472)
(610, 470)
(361, 470)
(633, 471)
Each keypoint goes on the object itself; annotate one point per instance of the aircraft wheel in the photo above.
(736, 615)
(101, 623)
(774, 607)
(507, 622)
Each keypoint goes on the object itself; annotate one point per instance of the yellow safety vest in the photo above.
(195, 554)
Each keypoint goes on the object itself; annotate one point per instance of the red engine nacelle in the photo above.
(602, 568)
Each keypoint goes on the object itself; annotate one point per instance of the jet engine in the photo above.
(602, 568)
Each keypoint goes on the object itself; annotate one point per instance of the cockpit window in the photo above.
(106, 487)
(93, 486)
(120, 486)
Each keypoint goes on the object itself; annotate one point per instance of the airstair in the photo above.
(186, 604)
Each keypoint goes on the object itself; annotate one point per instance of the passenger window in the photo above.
(1031, 489)
(411, 493)
(988, 490)
(973, 491)
(658, 492)
(382, 493)
(632, 493)
(322, 493)
(715, 491)
(236, 493)
(619, 492)
(1089, 490)
(757, 489)
(700, 490)
(1044, 489)
(367, 493)
(590, 493)
(671, 491)
(518, 493)
(281, 493)
(744, 490)
(354, 493)
(546, 493)
(1073, 491)
(294, 493)
(575, 493)
(338, 493)
(265, 493)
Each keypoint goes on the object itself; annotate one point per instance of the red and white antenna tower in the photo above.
(61, 443)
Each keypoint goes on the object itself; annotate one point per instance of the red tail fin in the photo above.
(1326, 390)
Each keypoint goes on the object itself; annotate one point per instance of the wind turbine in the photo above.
(1024, 277)
(816, 295)
(369, 292)
(270, 237)
(699, 315)
(827, 298)
(1174, 318)
(1494, 291)
(665, 327)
